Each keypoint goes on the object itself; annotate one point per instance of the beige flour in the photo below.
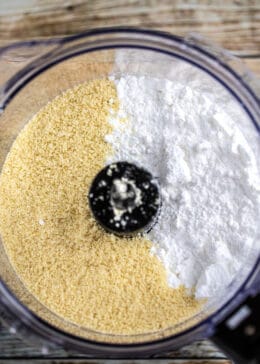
(66, 260)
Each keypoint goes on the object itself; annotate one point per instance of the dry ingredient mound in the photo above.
(65, 259)
(195, 138)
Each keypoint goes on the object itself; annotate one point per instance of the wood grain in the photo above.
(234, 24)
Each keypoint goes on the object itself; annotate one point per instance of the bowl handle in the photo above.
(239, 334)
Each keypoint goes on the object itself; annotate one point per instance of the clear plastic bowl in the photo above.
(35, 72)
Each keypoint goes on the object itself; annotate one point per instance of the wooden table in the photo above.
(234, 25)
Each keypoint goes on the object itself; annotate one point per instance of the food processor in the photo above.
(35, 72)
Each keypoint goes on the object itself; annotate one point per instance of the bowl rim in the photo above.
(205, 326)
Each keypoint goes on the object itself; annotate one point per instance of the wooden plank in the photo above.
(235, 26)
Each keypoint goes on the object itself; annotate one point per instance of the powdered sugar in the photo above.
(188, 137)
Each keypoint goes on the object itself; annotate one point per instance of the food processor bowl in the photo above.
(35, 72)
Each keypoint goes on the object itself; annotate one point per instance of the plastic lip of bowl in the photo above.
(139, 39)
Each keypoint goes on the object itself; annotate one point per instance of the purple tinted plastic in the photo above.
(62, 49)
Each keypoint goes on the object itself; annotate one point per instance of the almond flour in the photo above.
(72, 266)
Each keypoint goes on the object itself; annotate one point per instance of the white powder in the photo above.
(187, 135)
